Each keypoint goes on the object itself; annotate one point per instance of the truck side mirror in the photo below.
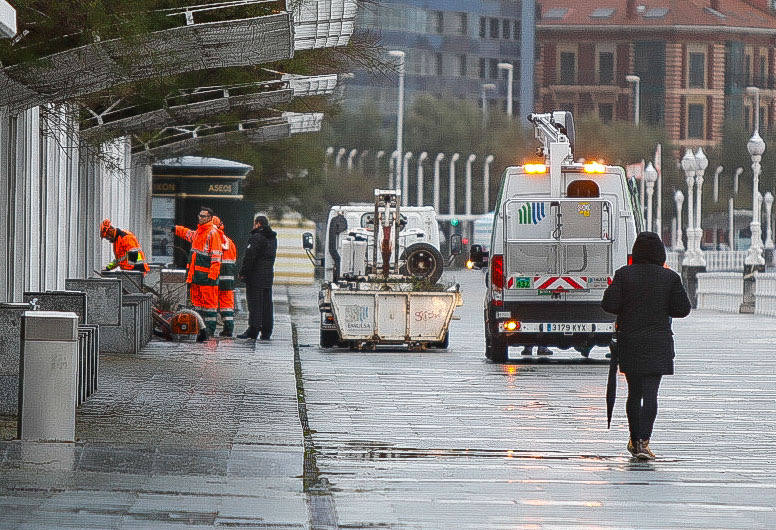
(478, 257)
(307, 241)
(455, 244)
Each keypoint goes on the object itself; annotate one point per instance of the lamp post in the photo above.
(739, 170)
(437, 160)
(378, 156)
(485, 87)
(636, 80)
(716, 183)
(688, 166)
(392, 171)
(701, 163)
(351, 156)
(399, 55)
(510, 78)
(421, 158)
(451, 184)
(338, 158)
(679, 200)
(329, 154)
(756, 148)
(486, 184)
(650, 174)
(405, 179)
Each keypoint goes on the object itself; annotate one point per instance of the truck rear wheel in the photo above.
(329, 338)
(495, 349)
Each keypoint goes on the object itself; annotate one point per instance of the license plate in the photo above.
(503, 314)
(568, 327)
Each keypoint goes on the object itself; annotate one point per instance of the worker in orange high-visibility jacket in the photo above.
(226, 280)
(204, 266)
(127, 253)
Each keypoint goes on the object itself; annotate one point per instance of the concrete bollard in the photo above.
(48, 376)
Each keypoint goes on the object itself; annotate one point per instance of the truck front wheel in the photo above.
(495, 349)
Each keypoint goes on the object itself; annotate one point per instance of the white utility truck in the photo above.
(382, 266)
(561, 229)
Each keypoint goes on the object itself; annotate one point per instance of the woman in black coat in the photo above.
(258, 273)
(644, 296)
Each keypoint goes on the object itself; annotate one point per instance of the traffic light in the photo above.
(454, 221)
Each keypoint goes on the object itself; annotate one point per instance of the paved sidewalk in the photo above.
(200, 434)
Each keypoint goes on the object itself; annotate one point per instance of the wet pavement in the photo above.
(289, 435)
(183, 434)
(447, 439)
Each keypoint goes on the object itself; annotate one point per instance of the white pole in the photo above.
(768, 206)
(739, 170)
(405, 179)
(756, 148)
(399, 55)
(510, 78)
(392, 171)
(472, 158)
(636, 80)
(716, 183)
(380, 154)
(679, 200)
(701, 163)
(421, 158)
(338, 158)
(451, 184)
(351, 156)
(437, 160)
(486, 184)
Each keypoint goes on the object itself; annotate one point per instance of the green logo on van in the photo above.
(530, 213)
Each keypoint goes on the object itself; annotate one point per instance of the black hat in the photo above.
(649, 248)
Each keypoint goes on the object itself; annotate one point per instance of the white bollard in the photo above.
(49, 362)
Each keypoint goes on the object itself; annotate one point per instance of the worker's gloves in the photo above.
(112, 265)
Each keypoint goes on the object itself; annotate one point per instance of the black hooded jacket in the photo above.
(645, 296)
(259, 261)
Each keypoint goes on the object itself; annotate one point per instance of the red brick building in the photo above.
(694, 59)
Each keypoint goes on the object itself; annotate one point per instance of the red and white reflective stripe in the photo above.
(565, 283)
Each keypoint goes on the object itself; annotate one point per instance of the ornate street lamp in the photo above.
(701, 163)
(756, 148)
(688, 166)
(679, 200)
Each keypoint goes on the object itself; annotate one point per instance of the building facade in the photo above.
(693, 60)
(452, 49)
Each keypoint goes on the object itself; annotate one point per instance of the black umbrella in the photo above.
(611, 385)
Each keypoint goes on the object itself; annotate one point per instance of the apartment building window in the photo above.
(605, 67)
(462, 65)
(696, 120)
(605, 112)
(483, 67)
(568, 67)
(493, 73)
(763, 81)
(748, 53)
(697, 70)
(439, 21)
(463, 23)
(438, 69)
(506, 29)
(516, 30)
(494, 28)
(483, 26)
(747, 117)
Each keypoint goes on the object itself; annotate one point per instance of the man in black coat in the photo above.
(644, 296)
(258, 273)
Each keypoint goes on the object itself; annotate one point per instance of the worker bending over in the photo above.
(127, 254)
